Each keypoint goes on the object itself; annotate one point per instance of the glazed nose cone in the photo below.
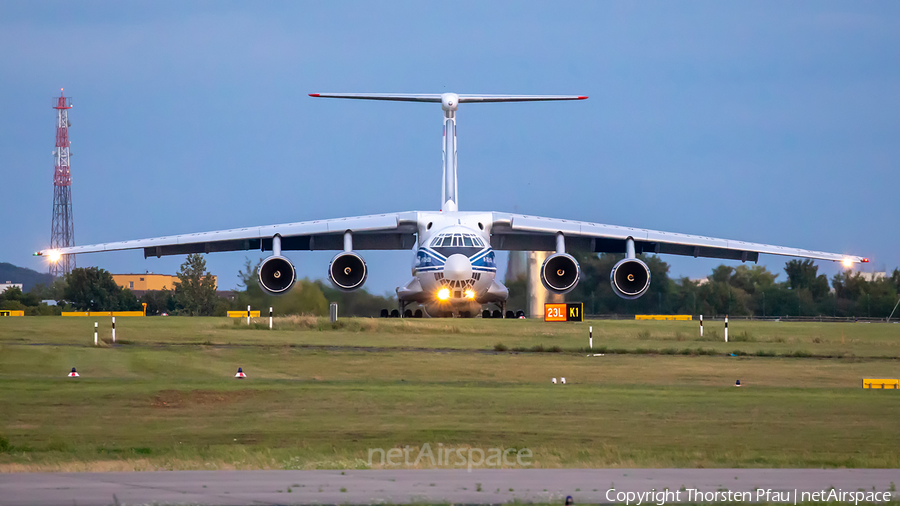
(458, 267)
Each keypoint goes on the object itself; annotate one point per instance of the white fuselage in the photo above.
(454, 267)
(454, 272)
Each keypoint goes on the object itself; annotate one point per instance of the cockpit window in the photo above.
(457, 241)
(465, 244)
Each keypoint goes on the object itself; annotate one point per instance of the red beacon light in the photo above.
(865, 260)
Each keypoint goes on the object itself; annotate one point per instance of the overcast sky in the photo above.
(773, 122)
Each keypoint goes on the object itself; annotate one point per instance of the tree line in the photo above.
(94, 289)
(194, 294)
(742, 290)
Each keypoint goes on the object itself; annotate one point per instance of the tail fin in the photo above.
(449, 103)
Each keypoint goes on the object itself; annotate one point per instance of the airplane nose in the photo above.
(458, 267)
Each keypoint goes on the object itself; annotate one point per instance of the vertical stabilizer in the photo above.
(449, 195)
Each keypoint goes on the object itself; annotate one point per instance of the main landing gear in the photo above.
(407, 313)
(502, 312)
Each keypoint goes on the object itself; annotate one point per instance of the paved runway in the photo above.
(404, 486)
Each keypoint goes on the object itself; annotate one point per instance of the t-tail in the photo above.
(449, 103)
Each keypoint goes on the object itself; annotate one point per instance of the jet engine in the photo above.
(560, 273)
(347, 271)
(276, 275)
(630, 278)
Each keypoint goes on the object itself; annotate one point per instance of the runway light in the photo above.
(443, 294)
(470, 294)
(54, 256)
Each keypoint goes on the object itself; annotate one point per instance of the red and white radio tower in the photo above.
(62, 232)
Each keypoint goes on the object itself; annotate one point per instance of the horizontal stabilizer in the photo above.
(397, 97)
(466, 99)
(432, 97)
(450, 102)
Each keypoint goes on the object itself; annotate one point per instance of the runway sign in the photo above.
(572, 312)
(881, 383)
(666, 317)
(12, 312)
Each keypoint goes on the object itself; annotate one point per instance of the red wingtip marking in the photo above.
(582, 98)
(314, 94)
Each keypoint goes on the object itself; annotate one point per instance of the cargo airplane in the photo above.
(454, 271)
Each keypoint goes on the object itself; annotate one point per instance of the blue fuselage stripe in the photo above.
(438, 260)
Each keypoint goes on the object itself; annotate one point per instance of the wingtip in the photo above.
(582, 98)
(314, 94)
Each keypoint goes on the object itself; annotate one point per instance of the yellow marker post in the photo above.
(883, 384)
(242, 314)
(103, 313)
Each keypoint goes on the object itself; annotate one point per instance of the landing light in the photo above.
(443, 294)
(54, 256)
(470, 294)
(848, 263)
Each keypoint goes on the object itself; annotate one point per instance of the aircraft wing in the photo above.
(391, 231)
(531, 233)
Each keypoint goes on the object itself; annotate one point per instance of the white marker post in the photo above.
(114, 329)
(96, 341)
(248, 315)
(701, 325)
(726, 328)
(591, 337)
(270, 318)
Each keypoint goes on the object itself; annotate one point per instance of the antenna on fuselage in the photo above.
(449, 103)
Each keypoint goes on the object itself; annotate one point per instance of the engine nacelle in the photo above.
(347, 271)
(630, 278)
(560, 273)
(276, 275)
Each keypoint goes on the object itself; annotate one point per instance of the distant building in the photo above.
(226, 294)
(140, 283)
(527, 264)
(537, 294)
(868, 276)
(9, 284)
(516, 267)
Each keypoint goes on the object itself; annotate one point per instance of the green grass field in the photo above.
(320, 395)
